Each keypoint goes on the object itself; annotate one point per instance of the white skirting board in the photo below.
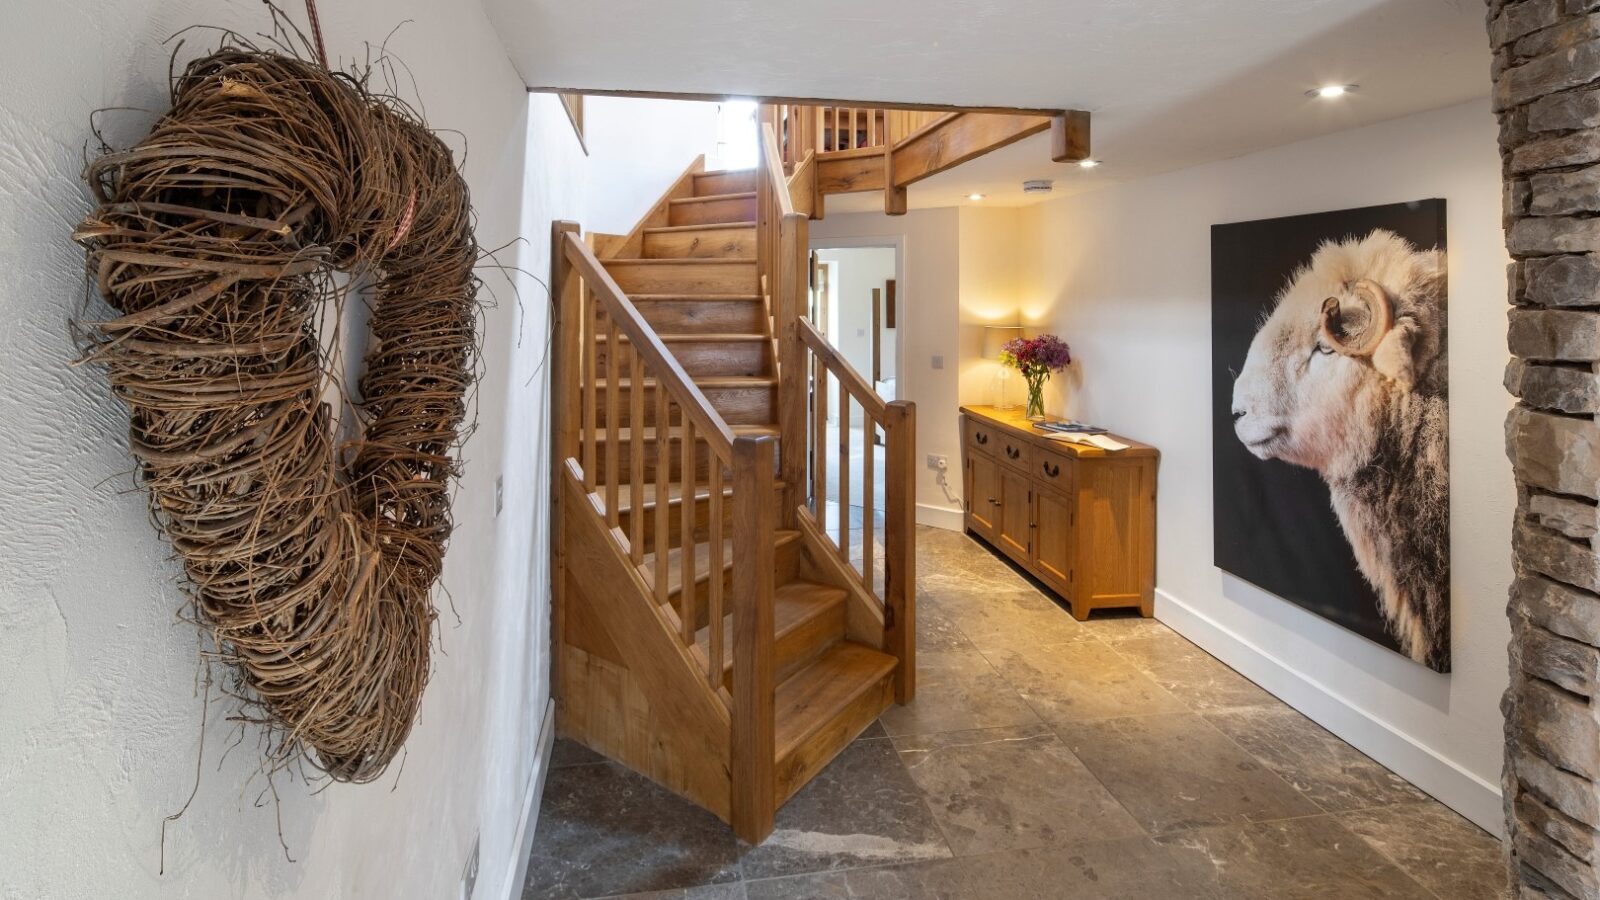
(939, 517)
(523, 843)
(1452, 785)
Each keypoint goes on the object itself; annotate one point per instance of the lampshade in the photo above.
(996, 336)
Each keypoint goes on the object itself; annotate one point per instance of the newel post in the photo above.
(900, 550)
(754, 726)
(566, 324)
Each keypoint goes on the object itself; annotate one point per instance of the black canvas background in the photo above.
(1273, 523)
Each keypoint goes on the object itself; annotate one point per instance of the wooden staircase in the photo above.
(710, 632)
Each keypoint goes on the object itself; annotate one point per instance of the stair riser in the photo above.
(734, 242)
(702, 521)
(708, 316)
(707, 358)
(799, 767)
(787, 564)
(710, 212)
(724, 183)
(738, 406)
(795, 650)
(625, 457)
(684, 278)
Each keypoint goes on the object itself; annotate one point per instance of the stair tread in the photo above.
(702, 560)
(707, 381)
(679, 261)
(707, 198)
(700, 336)
(626, 434)
(813, 696)
(693, 297)
(794, 604)
(707, 226)
(702, 491)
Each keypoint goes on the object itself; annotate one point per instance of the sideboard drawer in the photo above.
(981, 437)
(1053, 470)
(1015, 452)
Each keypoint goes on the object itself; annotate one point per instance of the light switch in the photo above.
(938, 360)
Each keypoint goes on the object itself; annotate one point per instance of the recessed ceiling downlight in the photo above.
(1088, 163)
(975, 196)
(1332, 91)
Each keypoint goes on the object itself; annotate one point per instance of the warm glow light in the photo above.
(975, 196)
(1088, 163)
(1331, 91)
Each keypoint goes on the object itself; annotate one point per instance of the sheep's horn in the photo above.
(1381, 309)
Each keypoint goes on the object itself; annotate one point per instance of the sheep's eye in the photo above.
(1321, 348)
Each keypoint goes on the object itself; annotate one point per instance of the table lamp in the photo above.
(994, 340)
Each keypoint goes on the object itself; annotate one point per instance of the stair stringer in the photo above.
(627, 688)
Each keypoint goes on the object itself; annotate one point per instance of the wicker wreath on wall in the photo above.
(217, 240)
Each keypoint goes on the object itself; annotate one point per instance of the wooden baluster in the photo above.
(872, 128)
(714, 570)
(819, 438)
(868, 504)
(636, 455)
(819, 117)
(854, 141)
(687, 488)
(591, 423)
(613, 413)
(844, 470)
(663, 541)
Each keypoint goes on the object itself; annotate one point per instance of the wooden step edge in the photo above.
(708, 226)
(782, 538)
(690, 337)
(625, 434)
(679, 261)
(702, 492)
(816, 600)
(696, 298)
(713, 198)
(713, 173)
(711, 382)
(816, 696)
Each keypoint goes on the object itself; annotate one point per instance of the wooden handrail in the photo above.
(669, 375)
(860, 390)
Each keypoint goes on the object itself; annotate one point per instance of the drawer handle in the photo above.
(1051, 470)
(1012, 452)
(981, 438)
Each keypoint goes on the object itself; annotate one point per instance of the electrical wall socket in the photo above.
(469, 873)
(938, 461)
(499, 493)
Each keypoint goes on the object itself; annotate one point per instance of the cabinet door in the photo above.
(983, 493)
(1015, 520)
(1052, 539)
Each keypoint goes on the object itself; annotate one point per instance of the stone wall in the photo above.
(1547, 96)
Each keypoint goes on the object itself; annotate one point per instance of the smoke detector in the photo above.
(1038, 186)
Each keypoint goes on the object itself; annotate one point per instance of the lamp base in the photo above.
(1002, 396)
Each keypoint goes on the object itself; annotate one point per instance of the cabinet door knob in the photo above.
(1051, 470)
(1012, 452)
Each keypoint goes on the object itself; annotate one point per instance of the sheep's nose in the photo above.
(1238, 413)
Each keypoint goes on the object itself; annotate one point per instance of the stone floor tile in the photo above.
(605, 830)
(957, 690)
(1333, 774)
(1200, 680)
(995, 621)
(1010, 789)
(1081, 680)
(937, 632)
(571, 753)
(1313, 858)
(1114, 625)
(863, 809)
(731, 891)
(1449, 855)
(1177, 771)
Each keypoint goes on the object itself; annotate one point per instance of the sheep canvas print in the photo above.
(1330, 418)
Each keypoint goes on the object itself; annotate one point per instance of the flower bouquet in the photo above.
(1037, 359)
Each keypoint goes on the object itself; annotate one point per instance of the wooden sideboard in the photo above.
(1080, 519)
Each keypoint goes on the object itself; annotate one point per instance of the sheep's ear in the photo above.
(1395, 358)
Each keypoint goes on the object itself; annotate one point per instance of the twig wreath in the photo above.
(217, 239)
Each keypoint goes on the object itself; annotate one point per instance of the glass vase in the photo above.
(1035, 411)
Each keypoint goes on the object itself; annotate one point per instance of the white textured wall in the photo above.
(641, 145)
(1124, 275)
(99, 715)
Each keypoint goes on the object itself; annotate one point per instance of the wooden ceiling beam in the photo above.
(956, 139)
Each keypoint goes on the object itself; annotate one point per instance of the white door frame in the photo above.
(897, 243)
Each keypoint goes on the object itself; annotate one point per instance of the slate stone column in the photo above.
(1547, 96)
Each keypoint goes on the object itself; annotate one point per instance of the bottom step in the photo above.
(824, 706)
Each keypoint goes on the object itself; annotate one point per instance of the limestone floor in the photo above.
(1043, 758)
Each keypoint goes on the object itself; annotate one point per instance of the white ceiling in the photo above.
(1170, 83)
